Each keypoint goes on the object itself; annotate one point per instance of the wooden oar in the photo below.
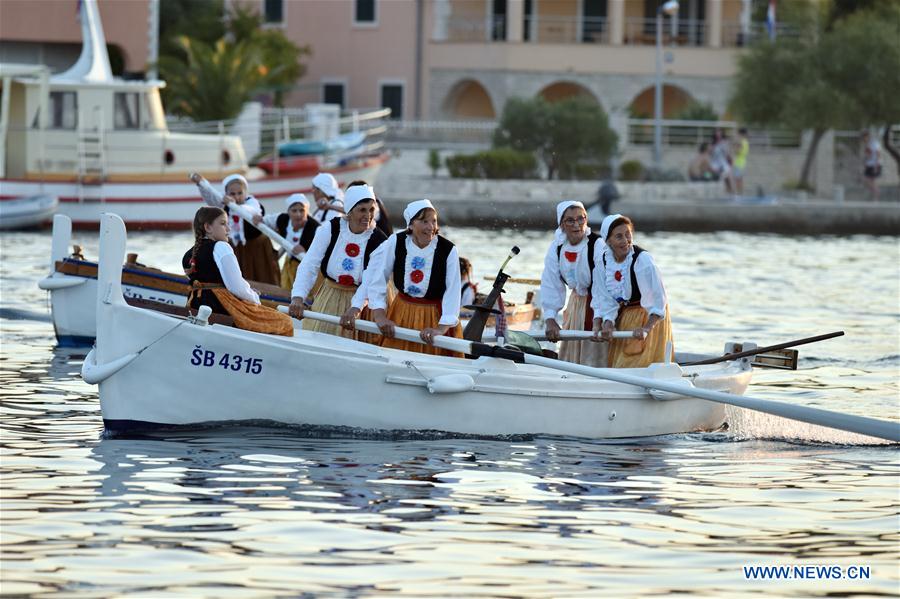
(862, 425)
(207, 190)
(518, 280)
(761, 350)
(565, 335)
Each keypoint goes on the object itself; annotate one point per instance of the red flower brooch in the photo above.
(352, 250)
(571, 256)
(346, 280)
(416, 276)
(618, 275)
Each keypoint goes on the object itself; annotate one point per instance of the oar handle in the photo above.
(570, 336)
(404, 334)
(262, 226)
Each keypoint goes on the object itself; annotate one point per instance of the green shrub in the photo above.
(500, 163)
(434, 161)
(631, 170)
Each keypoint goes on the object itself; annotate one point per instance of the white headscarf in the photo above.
(357, 194)
(413, 208)
(560, 235)
(327, 184)
(607, 223)
(231, 179)
(296, 198)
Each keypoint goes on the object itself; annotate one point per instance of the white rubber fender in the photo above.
(92, 373)
(51, 283)
(451, 383)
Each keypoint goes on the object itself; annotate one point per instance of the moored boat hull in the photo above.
(155, 369)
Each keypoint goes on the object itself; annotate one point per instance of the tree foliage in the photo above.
(819, 78)
(213, 66)
(564, 135)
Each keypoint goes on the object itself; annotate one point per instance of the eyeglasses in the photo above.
(574, 221)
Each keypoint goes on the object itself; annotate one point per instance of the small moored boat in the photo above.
(26, 212)
(155, 369)
(72, 284)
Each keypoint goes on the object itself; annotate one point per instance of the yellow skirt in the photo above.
(288, 273)
(586, 353)
(253, 317)
(415, 315)
(638, 353)
(333, 298)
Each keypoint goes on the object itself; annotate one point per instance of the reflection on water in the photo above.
(269, 512)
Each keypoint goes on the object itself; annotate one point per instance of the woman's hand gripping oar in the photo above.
(871, 427)
(207, 191)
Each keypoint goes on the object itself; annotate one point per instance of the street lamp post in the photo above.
(669, 8)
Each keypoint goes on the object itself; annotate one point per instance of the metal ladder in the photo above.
(91, 159)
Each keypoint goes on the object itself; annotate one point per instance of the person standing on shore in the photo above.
(742, 149)
(871, 151)
(568, 267)
(720, 158)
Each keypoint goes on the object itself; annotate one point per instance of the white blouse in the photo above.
(572, 265)
(418, 260)
(214, 197)
(346, 259)
(334, 210)
(227, 263)
(614, 282)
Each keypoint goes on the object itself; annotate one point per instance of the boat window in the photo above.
(127, 110)
(63, 110)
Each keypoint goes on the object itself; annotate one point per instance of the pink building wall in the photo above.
(125, 24)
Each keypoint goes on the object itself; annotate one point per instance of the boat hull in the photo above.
(157, 370)
(25, 212)
(165, 204)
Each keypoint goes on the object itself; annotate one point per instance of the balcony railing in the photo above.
(568, 30)
(642, 32)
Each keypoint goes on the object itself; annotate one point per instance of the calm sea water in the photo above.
(271, 512)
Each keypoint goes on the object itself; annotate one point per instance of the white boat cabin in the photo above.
(86, 125)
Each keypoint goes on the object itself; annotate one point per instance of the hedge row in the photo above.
(500, 163)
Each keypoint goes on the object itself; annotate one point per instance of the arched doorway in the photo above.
(563, 90)
(468, 99)
(674, 99)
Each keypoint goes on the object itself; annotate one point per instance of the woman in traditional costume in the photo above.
(328, 197)
(628, 294)
(297, 227)
(340, 251)
(424, 267)
(216, 280)
(253, 249)
(569, 265)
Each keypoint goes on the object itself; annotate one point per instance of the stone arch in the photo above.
(468, 99)
(562, 90)
(674, 100)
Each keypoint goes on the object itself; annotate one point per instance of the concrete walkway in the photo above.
(653, 206)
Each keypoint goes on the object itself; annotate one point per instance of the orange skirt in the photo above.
(416, 315)
(587, 353)
(253, 317)
(257, 261)
(639, 353)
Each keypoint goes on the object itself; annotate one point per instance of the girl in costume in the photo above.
(252, 248)
(424, 267)
(468, 287)
(628, 294)
(340, 251)
(568, 266)
(297, 227)
(216, 280)
(328, 197)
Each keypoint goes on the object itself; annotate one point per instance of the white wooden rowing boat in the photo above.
(72, 284)
(220, 374)
(25, 212)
